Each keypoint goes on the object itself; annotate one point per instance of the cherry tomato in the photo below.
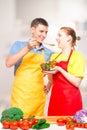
(73, 119)
(82, 125)
(6, 124)
(14, 125)
(24, 125)
(25, 119)
(60, 121)
(30, 123)
(85, 125)
(70, 126)
(68, 119)
(20, 123)
(78, 125)
(34, 121)
(67, 126)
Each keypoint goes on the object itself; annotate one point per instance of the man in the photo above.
(28, 87)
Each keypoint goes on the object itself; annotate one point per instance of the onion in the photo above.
(81, 116)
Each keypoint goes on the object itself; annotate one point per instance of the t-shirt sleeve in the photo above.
(76, 65)
(15, 48)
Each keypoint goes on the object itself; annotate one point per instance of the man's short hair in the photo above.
(37, 21)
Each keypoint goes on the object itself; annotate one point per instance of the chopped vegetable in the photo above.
(48, 65)
(12, 114)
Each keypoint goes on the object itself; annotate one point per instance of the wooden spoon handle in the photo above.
(50, 44)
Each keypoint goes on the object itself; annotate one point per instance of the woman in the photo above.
(66, 76)
(28, 87)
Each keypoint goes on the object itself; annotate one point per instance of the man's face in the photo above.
(39, 32)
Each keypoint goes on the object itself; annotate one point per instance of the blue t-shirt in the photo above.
(18, 45)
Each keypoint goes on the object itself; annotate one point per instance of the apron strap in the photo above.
(57, 56)
(60, 54)
(70, 55)
(43, 54)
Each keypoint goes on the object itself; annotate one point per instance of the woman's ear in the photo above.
(69, 38)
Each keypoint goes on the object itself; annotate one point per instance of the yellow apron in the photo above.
(28, 88)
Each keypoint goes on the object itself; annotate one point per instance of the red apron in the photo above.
(65, 98)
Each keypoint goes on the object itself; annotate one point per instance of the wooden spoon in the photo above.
(50, 44)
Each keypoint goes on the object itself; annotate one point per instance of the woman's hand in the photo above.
(55, 70)
(46, 89)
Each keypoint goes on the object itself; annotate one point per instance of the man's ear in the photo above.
(32, 29)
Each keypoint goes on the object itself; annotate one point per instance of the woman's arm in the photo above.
(76, 81)
(49, 84)
(72, 79)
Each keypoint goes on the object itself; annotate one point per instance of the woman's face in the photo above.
(62, 39)
(39, 32)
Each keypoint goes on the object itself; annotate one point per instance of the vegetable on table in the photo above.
(24, 125)
(41, 121)
(12, 114)
(6, 124)
(42, 124)
(61, 121)
(14, 125)
(81, 116)
(70, 126)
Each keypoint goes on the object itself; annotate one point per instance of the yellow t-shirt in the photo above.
(76, 64)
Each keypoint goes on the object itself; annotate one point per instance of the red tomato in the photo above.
(68, 119)
(82, 125)
(60, 121)
(67, 126)
(78, 125)
(85, 125)
(14, 125)
(6, 124)
(34, 121)
(70, 126)
(24, 119)
(30, 123)
(24, 125)
(20, 123)
(74, 120)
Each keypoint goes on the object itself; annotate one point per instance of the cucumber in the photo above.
(45, 125)
(41, 126)
(41, 121)
(35, 126)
